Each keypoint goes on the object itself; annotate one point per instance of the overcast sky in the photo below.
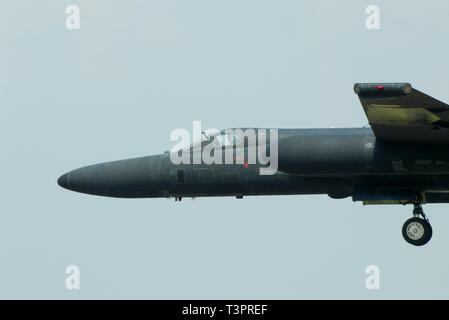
(136, 70)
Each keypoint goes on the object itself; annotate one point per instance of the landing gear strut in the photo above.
(417, 231)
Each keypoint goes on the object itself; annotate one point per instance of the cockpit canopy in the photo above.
(220, 138)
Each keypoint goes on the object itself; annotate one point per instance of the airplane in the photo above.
(402, 157)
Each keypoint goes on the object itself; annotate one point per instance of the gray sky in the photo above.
(135, 71)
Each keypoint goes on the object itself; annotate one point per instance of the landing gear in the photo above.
(417, 231)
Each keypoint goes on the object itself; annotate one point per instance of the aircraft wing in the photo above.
(398, 112)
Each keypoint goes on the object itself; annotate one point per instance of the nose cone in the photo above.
(63, 180)
(132, 178)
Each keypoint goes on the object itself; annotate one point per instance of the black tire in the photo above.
(417, 231)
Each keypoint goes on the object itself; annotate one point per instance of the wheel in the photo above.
(417, 231)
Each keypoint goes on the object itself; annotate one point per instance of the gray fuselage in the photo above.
(337, 162)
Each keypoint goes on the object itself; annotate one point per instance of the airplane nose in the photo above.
(131, 178)
(99, 179)
(63, 180)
